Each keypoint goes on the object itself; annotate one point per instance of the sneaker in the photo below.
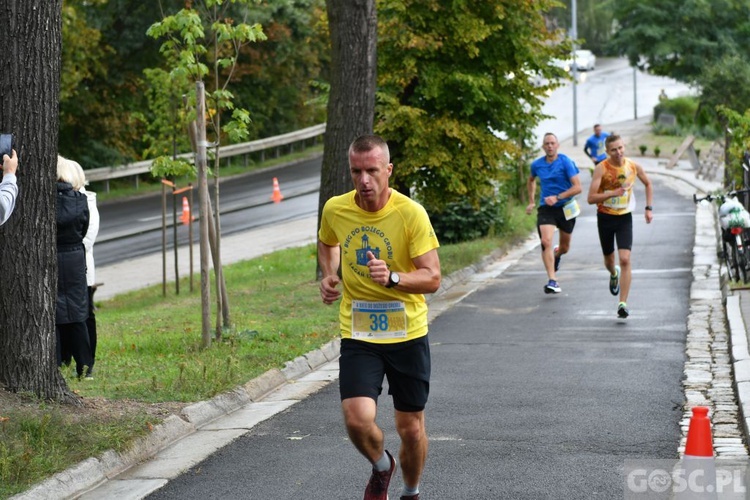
(552, 286)
(622, 310)
(410, 497)
(614, 282)
(377, 487)
(557, 258)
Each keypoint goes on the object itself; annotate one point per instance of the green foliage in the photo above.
(691, 117)
(455, 101)
(657, 151)
(165, 167)
(739, 142)
(678, 39)
(643, 149)
(206, 41)
(461, 221)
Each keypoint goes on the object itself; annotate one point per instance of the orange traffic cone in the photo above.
(698, 466)
(699, 441)
(276, 196)
(186, 218)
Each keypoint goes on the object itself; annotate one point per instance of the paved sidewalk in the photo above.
(183, 441)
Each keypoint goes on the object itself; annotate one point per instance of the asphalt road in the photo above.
(132, 227)
(533, 396)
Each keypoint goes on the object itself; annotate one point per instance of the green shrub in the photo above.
(643, 149)
(657, 151)
(460, 221)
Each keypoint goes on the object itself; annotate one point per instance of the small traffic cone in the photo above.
(276, 196)
(186, 217)
(698, 466)
(699, 441)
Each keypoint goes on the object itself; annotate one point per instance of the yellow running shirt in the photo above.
(397, 233)
(614, 177)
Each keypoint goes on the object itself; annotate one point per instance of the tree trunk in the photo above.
(30, 38)
(204, 214)
(351, 102)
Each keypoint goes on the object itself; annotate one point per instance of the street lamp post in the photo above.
(574, 35)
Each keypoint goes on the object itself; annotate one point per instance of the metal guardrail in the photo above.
(105, 174)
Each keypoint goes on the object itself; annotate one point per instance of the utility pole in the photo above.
(574, 36)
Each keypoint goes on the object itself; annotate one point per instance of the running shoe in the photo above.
(410, 497)
(614, 282)
(622, 310)
(377, 487)
(557, 258)
(552, 286)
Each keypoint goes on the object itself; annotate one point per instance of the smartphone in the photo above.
(7, 145)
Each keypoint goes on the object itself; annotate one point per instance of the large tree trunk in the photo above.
(30, 42)
(351, 102)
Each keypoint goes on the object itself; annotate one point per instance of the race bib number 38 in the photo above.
(378, 320)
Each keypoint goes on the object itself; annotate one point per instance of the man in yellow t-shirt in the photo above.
(611, 190)
(386, 248)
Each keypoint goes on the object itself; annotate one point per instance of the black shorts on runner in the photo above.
(554, 216)
(363, 365)
(615, 227)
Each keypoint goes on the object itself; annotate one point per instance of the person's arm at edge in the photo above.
(8, 187)
(329, 258)
(649, 191)
(531, 191)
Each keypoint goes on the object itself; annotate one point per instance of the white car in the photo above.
(585, 60)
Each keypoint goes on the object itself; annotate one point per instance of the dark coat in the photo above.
(72, 224)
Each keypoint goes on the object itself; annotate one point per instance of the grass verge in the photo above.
(150, 362)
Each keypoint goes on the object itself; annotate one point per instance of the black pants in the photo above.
(91, 326)
(73, 341)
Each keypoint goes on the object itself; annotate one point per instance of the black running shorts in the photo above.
(554, 216)
(363, 365)
(615, 227)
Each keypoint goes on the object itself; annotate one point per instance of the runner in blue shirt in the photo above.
(594, 147)
(558, 177)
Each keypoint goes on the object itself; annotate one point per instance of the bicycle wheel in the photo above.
(742, 263)
(727, 259)
(733, 264)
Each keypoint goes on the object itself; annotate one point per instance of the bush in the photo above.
(657, 151)
(684, 110)
(643, 149)
(460, 221)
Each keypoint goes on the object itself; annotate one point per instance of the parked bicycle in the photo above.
(735, 235)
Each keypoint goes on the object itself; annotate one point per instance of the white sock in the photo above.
(383, 463)
(410, 491)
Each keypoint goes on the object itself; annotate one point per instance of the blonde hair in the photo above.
(70, 171)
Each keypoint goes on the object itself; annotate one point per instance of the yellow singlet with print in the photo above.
(615, 177)
(397, 233)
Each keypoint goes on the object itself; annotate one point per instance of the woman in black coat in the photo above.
(72, 290)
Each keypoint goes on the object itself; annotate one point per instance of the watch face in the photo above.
(393, 279)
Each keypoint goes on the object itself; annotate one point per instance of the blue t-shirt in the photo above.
(595, 147)
(554, 177)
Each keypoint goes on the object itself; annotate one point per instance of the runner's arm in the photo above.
(531, 190)
(424, 279)
(329, 258)
(649, 191)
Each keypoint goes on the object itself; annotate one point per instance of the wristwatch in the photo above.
(393, 280)
(649, 208)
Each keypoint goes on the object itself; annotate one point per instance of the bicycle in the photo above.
(735, 237)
